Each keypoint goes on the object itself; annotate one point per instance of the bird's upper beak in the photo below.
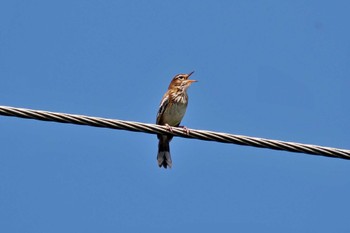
(190, 81)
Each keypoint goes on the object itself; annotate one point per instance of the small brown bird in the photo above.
(171, 111)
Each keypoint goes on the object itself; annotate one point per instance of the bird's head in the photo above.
(181, 81)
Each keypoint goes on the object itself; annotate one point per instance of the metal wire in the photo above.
(180, 132)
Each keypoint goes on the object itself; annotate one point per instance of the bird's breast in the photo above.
(174, 114)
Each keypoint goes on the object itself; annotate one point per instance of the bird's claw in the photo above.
(169, 127)
(185, 129)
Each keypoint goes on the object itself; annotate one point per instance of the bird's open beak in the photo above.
(190, 81)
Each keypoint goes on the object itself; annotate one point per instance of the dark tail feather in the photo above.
(163, 157)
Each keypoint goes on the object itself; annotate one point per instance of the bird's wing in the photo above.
(163, 105)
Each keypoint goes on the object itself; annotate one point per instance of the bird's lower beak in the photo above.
(191, 81)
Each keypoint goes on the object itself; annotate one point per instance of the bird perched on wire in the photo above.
(171, 111)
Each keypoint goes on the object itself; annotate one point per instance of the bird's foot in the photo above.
(169, 127)
(185, 129)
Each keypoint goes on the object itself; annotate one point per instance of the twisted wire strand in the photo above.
(158, 129)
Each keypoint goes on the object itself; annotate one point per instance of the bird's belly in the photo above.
(174, 114)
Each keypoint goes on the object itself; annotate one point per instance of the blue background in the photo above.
(271, 69)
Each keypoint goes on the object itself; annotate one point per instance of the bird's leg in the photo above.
(185, 129)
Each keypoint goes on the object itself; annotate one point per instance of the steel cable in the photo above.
(176, 131)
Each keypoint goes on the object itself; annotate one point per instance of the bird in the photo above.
(172, 109)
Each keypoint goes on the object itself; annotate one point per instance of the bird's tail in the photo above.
(163, 157)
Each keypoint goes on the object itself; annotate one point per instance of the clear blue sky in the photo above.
(272, 69)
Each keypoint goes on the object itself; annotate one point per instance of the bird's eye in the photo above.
(180, 77)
